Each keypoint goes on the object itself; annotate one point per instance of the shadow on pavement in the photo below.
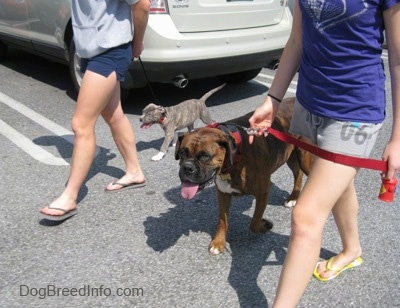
(198, 215)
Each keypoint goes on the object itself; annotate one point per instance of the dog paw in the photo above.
(215, 249)
(262, 227)
(268, 225)
(157, 157)
(290, 203)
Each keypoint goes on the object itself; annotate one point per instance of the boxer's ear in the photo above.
(178, 145)
(230, 145)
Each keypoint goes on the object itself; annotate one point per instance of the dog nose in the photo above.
(188, 169)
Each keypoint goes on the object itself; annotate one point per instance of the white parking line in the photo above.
(29, 147)
(293, 83)
(271, 77)
(26, 144)
(267, 84)
(38, 118)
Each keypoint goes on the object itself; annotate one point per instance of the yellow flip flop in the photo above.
(353, 264)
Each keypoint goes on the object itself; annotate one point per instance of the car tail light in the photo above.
(159, 7)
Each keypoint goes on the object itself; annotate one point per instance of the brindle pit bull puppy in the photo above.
(177, 117)
(222, 153)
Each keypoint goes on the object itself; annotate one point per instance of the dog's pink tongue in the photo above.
(189, 190)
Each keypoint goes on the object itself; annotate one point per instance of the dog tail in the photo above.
(209, 93)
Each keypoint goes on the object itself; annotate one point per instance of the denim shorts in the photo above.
(349, 138)
(116, 60)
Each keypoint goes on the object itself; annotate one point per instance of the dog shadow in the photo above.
(156, 143)
(146, 145)
(64, 146)
(201, 214)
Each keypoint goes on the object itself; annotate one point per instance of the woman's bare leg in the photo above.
(308, 220)
(95, 93)
(124, 138)
(345, 213)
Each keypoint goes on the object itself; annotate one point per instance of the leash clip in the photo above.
(253, 131)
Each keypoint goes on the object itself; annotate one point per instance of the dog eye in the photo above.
(203, 156)
(183, 153)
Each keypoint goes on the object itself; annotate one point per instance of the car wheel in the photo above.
(240, 76)
(74, 66)
(3, 51)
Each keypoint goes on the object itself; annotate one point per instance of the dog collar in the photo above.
(233, 130)
(163, 114)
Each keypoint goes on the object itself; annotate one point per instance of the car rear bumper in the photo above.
(167, 72)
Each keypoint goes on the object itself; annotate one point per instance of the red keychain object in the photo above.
(388, 189)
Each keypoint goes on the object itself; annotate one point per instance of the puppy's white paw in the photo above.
(157, 157)
(290, 204)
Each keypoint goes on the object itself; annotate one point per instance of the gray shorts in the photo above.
(351, 138)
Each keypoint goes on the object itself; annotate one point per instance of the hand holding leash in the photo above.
(262, 118)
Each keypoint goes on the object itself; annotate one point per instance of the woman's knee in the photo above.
(305, 224)
(81, 127)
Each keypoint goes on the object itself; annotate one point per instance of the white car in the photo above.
(185, 39)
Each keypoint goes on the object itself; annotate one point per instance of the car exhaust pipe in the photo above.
(273, 65)
(180, 81)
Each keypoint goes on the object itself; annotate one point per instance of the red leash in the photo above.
(359, 162)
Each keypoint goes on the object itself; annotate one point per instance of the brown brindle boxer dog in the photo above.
(222, 153)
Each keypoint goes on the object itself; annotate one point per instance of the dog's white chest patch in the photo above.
(224, 186)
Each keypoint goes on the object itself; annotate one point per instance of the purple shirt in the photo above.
(341, 74)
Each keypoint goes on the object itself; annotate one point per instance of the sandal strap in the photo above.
(329, 267)
(121, 184)
(58, 209)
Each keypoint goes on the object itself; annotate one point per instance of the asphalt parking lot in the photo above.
(148, 247)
